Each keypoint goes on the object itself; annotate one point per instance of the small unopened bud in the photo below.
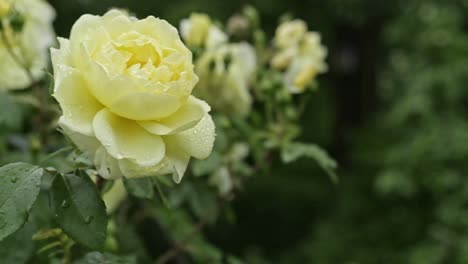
(238, 26)
(252, 15)
(259, 38)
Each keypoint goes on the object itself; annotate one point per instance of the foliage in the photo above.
(61, 205)
(391, 110)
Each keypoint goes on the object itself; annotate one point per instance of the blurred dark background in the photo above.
(393, 111)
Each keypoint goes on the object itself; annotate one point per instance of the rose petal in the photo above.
(114, 197)
(160, 30)
(179, 160)
(129, 97)
(145, 106)
(80, 31)
(124, 138)
(87, 144)
(78, 105)
(197, 141)
(186, 117)
(132, 170)
(106, 166)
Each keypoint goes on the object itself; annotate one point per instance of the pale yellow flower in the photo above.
(299, 53)
(124, 86)
(30, 45)
(290, 33)
(225, 75)
(312, 47)
(198, 30)
(309, 61)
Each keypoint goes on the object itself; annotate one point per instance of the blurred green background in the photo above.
(393, 111)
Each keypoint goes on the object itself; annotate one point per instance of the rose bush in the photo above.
(125, 86)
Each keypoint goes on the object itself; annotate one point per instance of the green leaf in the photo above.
(141, 188)
(182, 228)
(203, 202)
(106, 258)
(19, 188)
(79, 209)
(294, 151)
(130, 242)
(166, 180)
(19, 247)
(207, 166)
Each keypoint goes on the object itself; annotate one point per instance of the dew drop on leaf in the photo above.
(89, 219)
(65, 204)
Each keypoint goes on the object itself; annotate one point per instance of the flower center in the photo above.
(141, 55)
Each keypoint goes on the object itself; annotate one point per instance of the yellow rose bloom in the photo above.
(290, 33)
(225, 75)
(301, 62)
(124, 86)
(31, 44)
(198, 31)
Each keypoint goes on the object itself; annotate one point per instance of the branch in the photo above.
(43, 112)
(15, 57)
(180, 247)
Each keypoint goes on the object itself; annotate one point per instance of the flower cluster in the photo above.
(239, 69)
(225, 69)
(300, 53)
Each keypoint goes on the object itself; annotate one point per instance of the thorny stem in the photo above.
(180, 247)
